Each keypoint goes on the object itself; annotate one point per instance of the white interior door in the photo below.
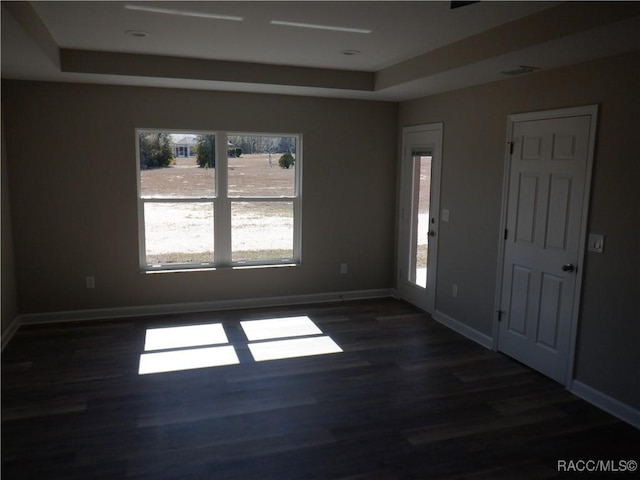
(419, 198)
(546, 209)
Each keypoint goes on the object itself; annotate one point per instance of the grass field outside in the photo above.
(179, 232)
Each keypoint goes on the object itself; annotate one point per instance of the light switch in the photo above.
(445, 215)
(595, 243)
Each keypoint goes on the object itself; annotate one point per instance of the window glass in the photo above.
(262, 230)
(178, 232)
(261, 165)
(186, 222)
(176, 165)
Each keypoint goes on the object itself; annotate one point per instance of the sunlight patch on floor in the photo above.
(171, 349)
(279, 328)
(279, 331)
(188, 336)
(293, 348)
(175, 360)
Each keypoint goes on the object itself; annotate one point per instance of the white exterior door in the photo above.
(547, 196)
(419, 198)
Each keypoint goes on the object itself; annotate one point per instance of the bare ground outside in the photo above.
(180, 232)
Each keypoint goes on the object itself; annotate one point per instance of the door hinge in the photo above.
(510, 148)
(499, 315)
(506, 233)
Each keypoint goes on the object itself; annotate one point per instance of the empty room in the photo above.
(320, 240)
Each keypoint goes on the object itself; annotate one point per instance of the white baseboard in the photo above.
(603, 401)
(463, 329)
(10, 332)
(146, 310)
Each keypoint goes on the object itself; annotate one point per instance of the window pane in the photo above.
(178, 232)
(420, 220)
(174, 165)
(261, 230)
(261, 165)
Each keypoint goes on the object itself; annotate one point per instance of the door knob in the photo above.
(432, 233)
(568, 267)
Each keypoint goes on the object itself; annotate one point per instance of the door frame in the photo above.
(588, 110)
(406, 291)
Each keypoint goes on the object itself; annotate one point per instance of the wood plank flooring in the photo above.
(407, 399)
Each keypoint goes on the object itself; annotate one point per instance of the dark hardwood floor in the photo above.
(407, 399)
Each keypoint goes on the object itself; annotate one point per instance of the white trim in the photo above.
(588, 110)
(618, 409)
(221, 203)
(591, 110)
(222, 208)
(427, 127)
(142, 239)
(463, 329)
(173, 308)
(557, 113)
(11, 330)
(297, 203)
(423, 298)
(501, 242)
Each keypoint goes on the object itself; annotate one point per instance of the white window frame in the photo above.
(222, 203)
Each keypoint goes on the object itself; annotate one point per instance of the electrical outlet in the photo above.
(454, 290)
(344, 268)
(90, 281)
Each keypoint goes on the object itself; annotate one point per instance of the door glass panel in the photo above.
(419, 238)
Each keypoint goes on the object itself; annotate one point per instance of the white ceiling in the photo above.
(400, 30)
(405, 39)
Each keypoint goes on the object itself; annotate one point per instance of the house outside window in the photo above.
(184, 146)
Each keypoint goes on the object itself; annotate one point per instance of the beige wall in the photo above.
(475, 122)
(73, 191)
(70, 151)
(9, 300)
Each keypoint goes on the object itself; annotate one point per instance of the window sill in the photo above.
(209, 269)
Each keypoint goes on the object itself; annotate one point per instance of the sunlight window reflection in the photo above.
(279, 328)
(175, 360)
(171, 349)
(189, 336)
(297, 347)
